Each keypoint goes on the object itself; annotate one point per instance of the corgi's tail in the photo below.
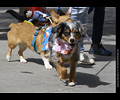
(16, 15)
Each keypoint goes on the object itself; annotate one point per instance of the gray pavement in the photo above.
(16, 77)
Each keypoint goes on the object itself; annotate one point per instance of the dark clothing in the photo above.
(98, 21)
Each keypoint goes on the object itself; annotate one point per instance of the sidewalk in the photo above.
(6, 19)
(32, 77)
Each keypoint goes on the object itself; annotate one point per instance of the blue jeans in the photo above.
(80, 13)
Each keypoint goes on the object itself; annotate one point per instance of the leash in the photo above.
(49, 19)
(48, 15)
(87, 36)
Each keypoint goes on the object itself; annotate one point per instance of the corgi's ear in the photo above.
(67, 13)
(54, 15)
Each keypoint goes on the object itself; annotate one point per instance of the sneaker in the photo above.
(99, 50)
(84, 59)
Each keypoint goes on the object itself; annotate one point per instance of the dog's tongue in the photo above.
(61, 47)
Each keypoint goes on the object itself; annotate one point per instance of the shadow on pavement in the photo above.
(89, 80)
(34, 60)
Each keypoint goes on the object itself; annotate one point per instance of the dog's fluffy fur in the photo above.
(22, 34)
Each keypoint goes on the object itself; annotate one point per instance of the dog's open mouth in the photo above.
(72, 45)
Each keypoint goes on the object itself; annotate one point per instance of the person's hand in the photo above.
(44, 15)
(29, 14)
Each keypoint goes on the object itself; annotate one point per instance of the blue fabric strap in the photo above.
(45, 43)
(35, 48)
(35, 35)
(34, 39)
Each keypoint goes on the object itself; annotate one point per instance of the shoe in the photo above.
(84, 59)
(99, 50)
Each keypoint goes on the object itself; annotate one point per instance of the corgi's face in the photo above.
(70, 32)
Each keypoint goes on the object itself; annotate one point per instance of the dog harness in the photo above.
(35, 36)
(59, 46)
(45, 44)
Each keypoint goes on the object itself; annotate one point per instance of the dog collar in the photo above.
(61, 47)
(69, 19)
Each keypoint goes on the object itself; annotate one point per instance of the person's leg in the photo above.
(81, 13)
(98, 22)
(21, 12)
(22, 9)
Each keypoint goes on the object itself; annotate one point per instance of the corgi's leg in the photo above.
(8, 57)
(9, 54)
(22, 48)
(46, 63)
(12, 43)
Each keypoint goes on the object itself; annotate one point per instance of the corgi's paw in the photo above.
(71, 84)
(23, 61)
(48, 66)
(46, 63)
(8, 58)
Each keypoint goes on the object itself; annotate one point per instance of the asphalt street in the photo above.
(32, 77)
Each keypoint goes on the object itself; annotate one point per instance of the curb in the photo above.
(4, 30)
